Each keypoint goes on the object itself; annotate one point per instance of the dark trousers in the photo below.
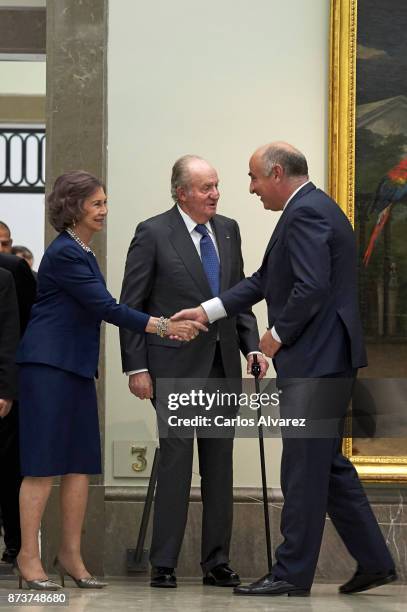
(173, 491)
(10, 479)
(317, 479)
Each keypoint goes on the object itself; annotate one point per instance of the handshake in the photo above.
(184, 325)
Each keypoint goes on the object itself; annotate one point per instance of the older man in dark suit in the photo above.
(308, 278)
(186, 254)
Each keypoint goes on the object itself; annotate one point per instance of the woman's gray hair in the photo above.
(66, 200)
(290, 159)
(180, 176)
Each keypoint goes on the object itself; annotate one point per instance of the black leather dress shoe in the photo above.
(9, 555)
(222, 576)
(163, 577)
(270, 585)
(362, 581)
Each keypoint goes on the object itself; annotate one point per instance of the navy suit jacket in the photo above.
(72, 301)
(309, 280)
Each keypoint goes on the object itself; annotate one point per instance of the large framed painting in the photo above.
(368, 178)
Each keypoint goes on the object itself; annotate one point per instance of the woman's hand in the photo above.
(176, 330)
(184, 330)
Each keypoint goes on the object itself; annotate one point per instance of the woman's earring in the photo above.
(74, 222)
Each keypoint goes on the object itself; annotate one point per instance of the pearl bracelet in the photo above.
(162, 327)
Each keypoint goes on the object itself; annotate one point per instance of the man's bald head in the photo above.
(284, 154)
(277, 170)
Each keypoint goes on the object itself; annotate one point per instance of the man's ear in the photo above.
(181, 195)
(278, 172)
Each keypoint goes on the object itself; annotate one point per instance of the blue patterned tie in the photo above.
(210, 259)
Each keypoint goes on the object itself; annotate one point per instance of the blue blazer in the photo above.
(72, 301)
(309, 280)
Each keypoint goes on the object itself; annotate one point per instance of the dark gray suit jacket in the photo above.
(9, 336)
(164, 274)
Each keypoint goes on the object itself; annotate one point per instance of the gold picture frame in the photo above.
(341, 181)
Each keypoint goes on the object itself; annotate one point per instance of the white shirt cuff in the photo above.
(136, 371)
(275, 335)
(214, 309)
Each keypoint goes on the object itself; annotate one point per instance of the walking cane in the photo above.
(137, 559)
(256, 372)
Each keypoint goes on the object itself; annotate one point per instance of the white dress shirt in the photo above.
(196, 236)
(214, 308)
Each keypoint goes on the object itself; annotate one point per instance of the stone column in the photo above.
(76, 139)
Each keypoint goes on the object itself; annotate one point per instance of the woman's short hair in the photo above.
(66, 200)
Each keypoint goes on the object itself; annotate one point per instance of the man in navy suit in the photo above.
(308, 278)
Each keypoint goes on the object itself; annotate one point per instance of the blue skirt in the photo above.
(59, 425)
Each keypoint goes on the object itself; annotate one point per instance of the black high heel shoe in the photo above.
(82, 583)
(37, 585)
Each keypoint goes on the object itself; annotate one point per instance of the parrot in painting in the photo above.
(391, 189)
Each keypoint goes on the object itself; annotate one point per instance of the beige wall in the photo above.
(216, 78)
(25, 78)
(22, 3)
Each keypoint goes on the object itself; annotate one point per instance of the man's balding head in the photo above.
(276, 171)
(288, 157)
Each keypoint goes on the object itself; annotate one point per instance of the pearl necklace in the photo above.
(79, 241)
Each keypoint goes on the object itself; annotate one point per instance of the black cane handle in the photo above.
(256, 369)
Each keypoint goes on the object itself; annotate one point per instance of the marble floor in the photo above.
(191, 596)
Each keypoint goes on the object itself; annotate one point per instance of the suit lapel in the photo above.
(275, 235)
(277, 230)
(223, 242)
(183, 244)
(90, 259)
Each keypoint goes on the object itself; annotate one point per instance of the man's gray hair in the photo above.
(180, 175)
(290, 159)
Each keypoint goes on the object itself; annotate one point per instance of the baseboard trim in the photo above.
(240, 494)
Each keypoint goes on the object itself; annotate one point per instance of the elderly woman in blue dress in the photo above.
(58, 356)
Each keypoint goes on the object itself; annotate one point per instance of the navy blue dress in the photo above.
(58, 357)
